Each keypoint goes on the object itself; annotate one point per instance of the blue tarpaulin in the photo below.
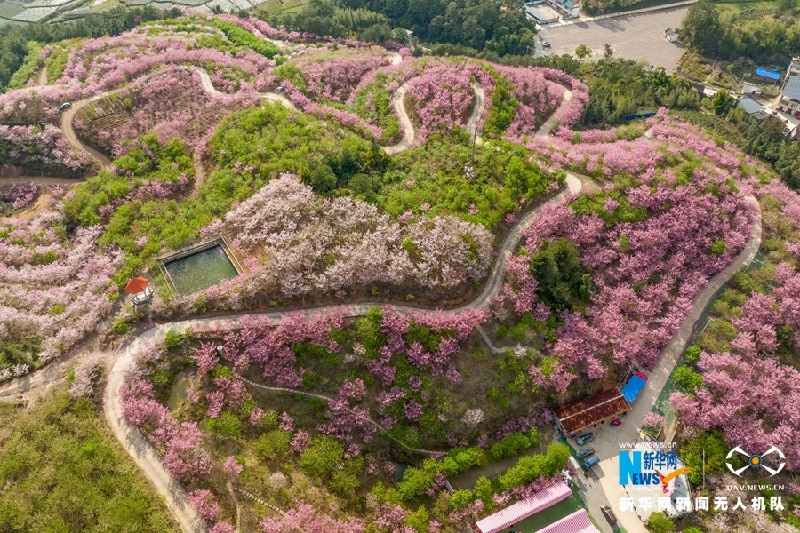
(640, 115)
(632, 389)
(771, 74)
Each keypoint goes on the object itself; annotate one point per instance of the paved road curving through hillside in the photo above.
(69, 131)
(143, 454)
(606, 443)
(68, 116)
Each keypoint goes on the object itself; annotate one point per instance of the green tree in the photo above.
(322, 457)
(484, 490)
(687, 378)
(273, 445)
(692, 354)
(583, 51)
(608, 53)
(722, 101)
(659, 523)
(415, 483)
(563, 284)
(321, 178)
(418, 520)
(226, 425)
(702, 29)
(715, 451)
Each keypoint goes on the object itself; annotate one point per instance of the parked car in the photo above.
(585, 452)
(609, 514)
(65, 106)
(279, 90)
(583, 439)
(545, 44)
(590, 462)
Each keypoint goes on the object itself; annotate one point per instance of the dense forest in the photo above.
(757, 33)
(469, 27)
(14, 39)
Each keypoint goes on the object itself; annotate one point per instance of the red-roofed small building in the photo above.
(590, 411)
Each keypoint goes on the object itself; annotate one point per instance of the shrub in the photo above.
(510, 446)
(659, 523)
(715, 451)
(687, 378)
(273, 445)
(533, 467)
(173, 339)
(692, 354)
(322, 456)
(227, 425)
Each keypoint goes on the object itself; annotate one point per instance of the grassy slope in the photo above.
(62, 471)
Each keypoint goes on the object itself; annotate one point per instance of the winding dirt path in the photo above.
(208, 86)
(29, 212)
(477, 113)
(69, 130)
(24, 180)
(408, 128)
(395, 58)
(143, 454)
(544, 129)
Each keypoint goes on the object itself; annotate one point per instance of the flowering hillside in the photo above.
(669, 219)
(343, 175)
(55, 290)
(42, 148)
(742, 376)
(171, 102)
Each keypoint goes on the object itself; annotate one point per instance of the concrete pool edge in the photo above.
(190, 250)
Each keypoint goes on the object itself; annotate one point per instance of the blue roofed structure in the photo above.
(634, 386)
(773, 75)
(792, 89)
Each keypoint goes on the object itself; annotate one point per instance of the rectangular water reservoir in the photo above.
(199, 270)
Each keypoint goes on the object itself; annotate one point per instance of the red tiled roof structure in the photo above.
(524, 508)
(577, 522)
(592, 410)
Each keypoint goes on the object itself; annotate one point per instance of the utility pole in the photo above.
(704, 468)
(474, 141)
(470, 168)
